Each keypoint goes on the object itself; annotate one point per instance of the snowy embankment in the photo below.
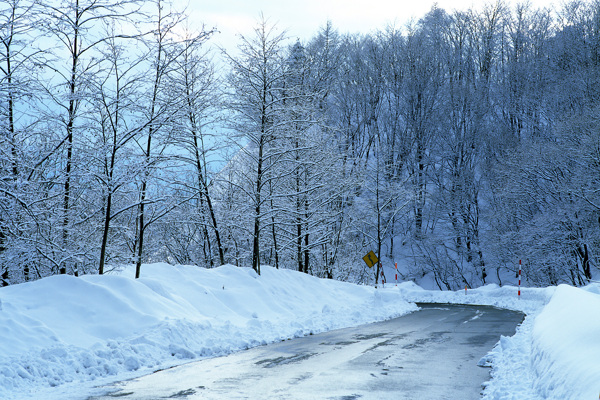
(566, 345)
(65, 331)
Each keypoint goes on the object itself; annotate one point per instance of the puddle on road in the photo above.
(371, 336)
(184, 393)
(434, 337)
(119, 394)
(274, 362)
(341, 343)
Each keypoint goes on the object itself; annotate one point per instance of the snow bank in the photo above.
(62, 329)
(566, 345)
(530, 301)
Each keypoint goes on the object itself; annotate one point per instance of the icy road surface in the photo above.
(429, 354)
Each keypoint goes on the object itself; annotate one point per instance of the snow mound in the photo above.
(566, 345)
(530, 301)
(62, 329)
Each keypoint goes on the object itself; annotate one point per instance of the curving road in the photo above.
(429, 354)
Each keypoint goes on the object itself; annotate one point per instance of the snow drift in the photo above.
(566, 345)
(64, 329)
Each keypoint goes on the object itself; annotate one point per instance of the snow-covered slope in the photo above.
(62, 329)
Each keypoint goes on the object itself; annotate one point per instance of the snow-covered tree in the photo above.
(257, 81)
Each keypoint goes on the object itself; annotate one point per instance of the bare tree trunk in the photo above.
(256, 236)
(109, 197)
(420, 192)
(11, 139)
(158, 74)
(306, 228)
(140, 219)
(107, 217)
(299, 232)
(306, 253)
(203, 185)
(274, 233)
(70, 126)
(585, 261)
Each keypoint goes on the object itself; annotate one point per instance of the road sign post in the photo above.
(370, 259)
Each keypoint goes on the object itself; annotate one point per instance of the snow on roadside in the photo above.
(566, 345)
(62, 330)
(530, 301)
(510, 360)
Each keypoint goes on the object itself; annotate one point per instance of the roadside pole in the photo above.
(519, 293)
(396, 267)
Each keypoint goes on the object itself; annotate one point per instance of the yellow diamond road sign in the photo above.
(370, 259)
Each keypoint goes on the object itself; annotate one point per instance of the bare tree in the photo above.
(162, 104)
(16, 56)
(257, 81)
(76, 26)
(197, 81)
(117, 98)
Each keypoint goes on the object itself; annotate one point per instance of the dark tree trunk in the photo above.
(299, 242)
(256, 236)
(203, 186)
(105, 233)
(70, 127)
(107, 216)
(420, 195)
(275, 248)
(141, 229)
(585, 261)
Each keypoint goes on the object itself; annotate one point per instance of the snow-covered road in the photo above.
(432, 353)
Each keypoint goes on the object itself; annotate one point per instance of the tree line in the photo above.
(454, 145)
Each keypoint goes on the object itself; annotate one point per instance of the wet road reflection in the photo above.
(429, 354)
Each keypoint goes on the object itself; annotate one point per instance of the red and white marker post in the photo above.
(519, 293)
(396, 267)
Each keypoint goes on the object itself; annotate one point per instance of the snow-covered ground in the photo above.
(61, 337)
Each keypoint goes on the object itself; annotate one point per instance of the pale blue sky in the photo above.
(302, 18)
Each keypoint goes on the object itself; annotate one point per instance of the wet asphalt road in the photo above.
(429, 354)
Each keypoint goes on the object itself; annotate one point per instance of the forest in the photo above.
(454, 145)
